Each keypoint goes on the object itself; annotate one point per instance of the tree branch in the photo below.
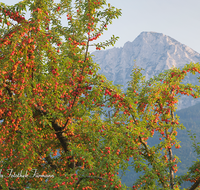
(195, 185)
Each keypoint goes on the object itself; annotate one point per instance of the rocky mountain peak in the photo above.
(154, 52)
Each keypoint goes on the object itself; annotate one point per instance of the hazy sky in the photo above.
(179, 19)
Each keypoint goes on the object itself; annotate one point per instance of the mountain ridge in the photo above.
(155, 53)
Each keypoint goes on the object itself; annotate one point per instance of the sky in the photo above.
(179, 19)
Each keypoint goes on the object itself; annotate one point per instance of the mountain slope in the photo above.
(154, 52)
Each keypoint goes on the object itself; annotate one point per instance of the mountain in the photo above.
(154, 52)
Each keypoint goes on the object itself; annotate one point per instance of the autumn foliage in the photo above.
(53, 105)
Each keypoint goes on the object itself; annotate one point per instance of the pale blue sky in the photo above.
(179, 19)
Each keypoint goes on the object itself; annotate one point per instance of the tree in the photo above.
(155, 100)
(47, 91)
(193, 173)
(55, 131)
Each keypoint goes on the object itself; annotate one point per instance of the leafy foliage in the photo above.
(53, 104)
